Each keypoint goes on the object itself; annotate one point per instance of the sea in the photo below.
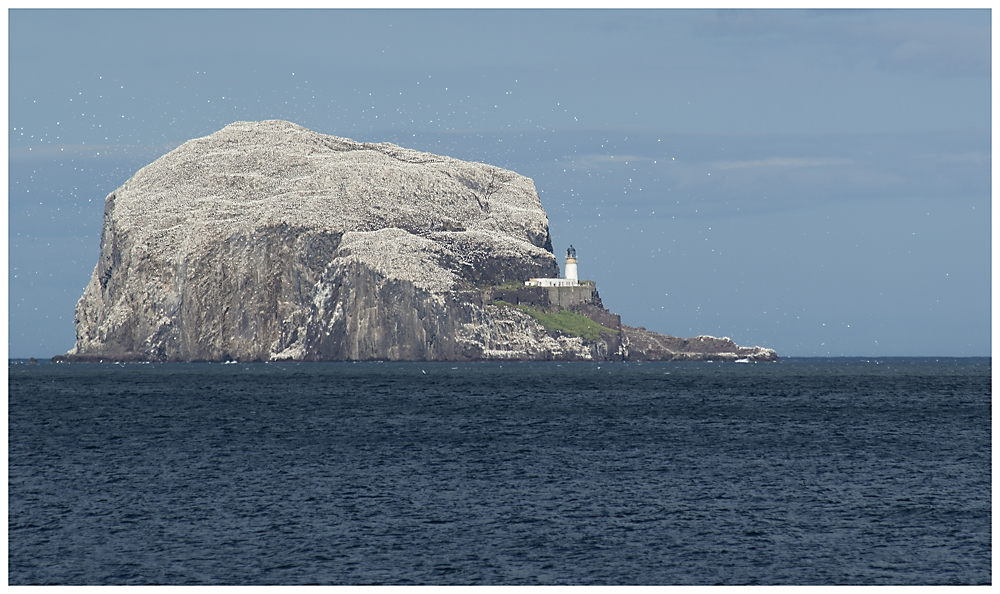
(804, 471)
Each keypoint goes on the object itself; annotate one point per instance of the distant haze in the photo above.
(816, 182)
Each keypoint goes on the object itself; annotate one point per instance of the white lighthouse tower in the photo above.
(571, 264)
(571, 279)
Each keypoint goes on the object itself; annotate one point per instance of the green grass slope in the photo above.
(564, 321)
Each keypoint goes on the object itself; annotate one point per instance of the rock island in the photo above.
(266, 241)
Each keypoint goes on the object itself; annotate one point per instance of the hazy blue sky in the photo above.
(817, 182)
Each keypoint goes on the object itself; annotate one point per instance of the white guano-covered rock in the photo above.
(266, 240)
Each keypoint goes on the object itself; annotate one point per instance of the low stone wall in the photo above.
(563, 297)
(570, 296)
(533, 296)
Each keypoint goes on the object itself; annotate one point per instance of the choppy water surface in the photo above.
(806, 471)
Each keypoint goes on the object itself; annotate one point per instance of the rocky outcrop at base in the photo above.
(640, 344)
(268, 242)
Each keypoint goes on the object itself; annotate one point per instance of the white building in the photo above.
(571, 279)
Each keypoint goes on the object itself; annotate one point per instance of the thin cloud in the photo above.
(50, 151)
(917, 40)
(784, 162)
(944, 47)
(590, 161)
(976, 157)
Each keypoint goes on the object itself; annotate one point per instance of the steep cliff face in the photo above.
(266, 241)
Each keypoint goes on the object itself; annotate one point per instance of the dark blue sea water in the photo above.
(807, 471)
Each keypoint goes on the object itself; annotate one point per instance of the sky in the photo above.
(813, 181)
